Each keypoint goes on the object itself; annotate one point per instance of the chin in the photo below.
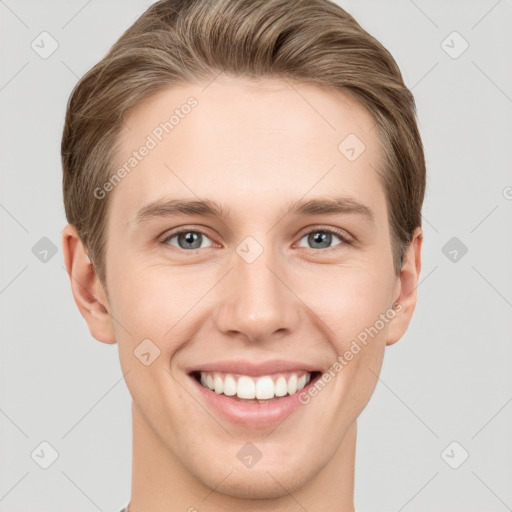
(259, 484)
(267, 479)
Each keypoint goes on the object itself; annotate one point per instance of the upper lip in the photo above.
(244, 367)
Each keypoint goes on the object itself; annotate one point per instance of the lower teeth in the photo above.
(252, 400)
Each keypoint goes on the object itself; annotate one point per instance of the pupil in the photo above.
(320, 237)
(190, 238)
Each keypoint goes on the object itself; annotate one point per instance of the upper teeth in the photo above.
(262, 388)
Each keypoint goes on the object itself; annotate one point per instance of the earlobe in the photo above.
(86, 287)
(409, 278)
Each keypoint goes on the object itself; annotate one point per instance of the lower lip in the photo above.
(251, 414)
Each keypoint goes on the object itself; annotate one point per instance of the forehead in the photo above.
(240, 142)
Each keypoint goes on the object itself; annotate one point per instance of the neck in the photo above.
(161, 483)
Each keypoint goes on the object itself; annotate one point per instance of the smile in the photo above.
(252, 389)
(252, 394)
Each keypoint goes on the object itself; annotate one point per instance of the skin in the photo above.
(253, 147)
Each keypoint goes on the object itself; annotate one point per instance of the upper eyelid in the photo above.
(343, 233)
(177, 231)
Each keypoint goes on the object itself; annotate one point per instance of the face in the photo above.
(282, 282)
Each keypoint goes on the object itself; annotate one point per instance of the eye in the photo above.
(192, 239)
(187, 239)
(323, 238)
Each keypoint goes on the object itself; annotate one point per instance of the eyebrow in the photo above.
(208, 208)
(336, 205)
(181, 206)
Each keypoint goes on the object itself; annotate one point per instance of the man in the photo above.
(243, 182)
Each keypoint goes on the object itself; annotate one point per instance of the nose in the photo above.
(256, 301)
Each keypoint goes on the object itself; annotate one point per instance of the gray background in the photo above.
(447, 380)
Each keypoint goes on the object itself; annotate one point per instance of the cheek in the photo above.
(152, 300)
(165, 304)
(150, 308)
(348, 300)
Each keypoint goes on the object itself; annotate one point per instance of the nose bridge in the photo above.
(255, 301)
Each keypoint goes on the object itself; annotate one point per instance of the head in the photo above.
(275, 122)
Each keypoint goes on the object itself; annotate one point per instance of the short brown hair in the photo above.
(188, 41)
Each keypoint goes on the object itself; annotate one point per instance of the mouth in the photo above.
(253, 394)
(255, 389)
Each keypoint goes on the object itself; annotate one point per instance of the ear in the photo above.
(90, 297)
(408, 282)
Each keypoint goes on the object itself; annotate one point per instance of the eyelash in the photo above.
(333, 231)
